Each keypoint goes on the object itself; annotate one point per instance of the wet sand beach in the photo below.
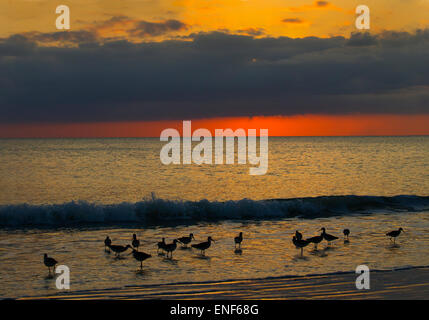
(399, 284)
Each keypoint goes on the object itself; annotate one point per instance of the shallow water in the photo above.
(267, 251)
(108, 178)
(43, 171)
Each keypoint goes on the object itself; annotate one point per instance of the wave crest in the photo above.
(159, 211)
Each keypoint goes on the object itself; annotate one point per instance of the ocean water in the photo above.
(63, 196)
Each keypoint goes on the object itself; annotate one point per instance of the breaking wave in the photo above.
(160, 212)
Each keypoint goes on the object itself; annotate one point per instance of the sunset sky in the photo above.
(136, 67)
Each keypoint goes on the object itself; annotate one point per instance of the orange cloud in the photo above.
(315, 6)
(296, 22)
(115, 28)
(293, 20)
(134, 28)
(254, 32)
(322, 3)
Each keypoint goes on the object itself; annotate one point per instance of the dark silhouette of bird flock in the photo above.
(300, 243)
(169, 248)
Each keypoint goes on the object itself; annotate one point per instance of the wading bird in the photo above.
(119, 249)
(161, 245)
(107, 243)
(238, 240)
(316, 240)
(135, 243)
(140, 256)
(171, 247)
(393, 234)
(346, 234)
(328, 237)
(49, 262)
(186, 240)
(203, 246)
(300, 243)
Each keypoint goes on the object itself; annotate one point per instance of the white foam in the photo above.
(159, 211)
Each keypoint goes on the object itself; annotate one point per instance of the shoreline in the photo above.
(398, 284)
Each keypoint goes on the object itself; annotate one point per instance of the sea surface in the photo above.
(63, 196)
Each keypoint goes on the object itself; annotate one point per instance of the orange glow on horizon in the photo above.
(303, 125)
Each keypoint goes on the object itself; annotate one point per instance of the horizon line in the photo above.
(269, 136)
(311, 125)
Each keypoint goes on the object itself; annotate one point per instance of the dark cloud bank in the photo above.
(214, 74)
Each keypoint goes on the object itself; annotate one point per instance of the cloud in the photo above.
(67, 36)
(362, 39)
(131, 28)
(252, 31)
(322, 3)
(293, 20)
(115, 28)
(144, 28)
(212, 75)
(317, 5)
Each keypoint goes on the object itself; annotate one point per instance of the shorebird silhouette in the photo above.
(135, 243)
(186, 240)
(171, 247)
(140, 256)
(161, 245)
(238, 240)
(107, 243)
(328, 237)
(346, 233)
(393, 234)
(119, 249)
(316, 240)
(49, 262)
(300, 243)
(203, 246)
